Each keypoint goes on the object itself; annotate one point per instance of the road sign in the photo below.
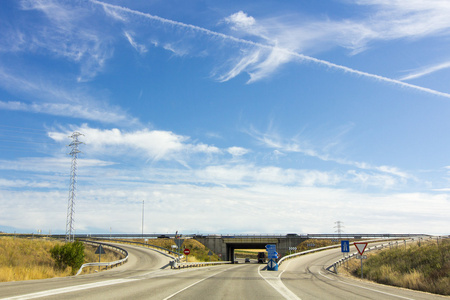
(179, 242)
(100, 250)
(187, 251)
(361, 247)
(361, 256)
(292, 248)
(271, 247)
(272, 265)
(345, 246)
(210, 253)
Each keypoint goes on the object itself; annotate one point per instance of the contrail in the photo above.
(292, 53)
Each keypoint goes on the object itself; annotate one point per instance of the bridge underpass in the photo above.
(225, 246)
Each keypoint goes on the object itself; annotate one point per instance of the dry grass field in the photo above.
(26, 259)
(424, 268)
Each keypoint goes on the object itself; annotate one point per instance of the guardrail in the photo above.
(223, 235)
(174, 264)
(316, 250)
(306, 252)
(374, 248)
(177, 265)
(162, 250)
(107, 264)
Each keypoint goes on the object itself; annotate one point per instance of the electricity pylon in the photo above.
(339, 228)
(70, 233)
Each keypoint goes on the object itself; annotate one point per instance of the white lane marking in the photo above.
(326, 276)
(366, 288)
(278, 285)
(189, 286)
(70, 289)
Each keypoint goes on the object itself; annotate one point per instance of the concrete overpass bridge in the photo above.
(225, 245)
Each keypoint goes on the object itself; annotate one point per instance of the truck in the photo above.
(262, 257)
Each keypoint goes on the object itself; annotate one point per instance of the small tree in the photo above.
(70, 254)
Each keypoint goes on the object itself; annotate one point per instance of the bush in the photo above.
(69, 254)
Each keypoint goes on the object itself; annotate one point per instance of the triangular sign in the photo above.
(210, 253)
(361, 247)
(179, 242)
(100, 250)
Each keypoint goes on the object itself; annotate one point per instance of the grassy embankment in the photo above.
(199, 252)
(26, 259)
(424, 268)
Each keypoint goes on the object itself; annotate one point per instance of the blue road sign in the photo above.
(345, 246)
(272, 265)
(271, 247)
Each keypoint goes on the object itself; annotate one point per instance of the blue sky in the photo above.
(226, 117)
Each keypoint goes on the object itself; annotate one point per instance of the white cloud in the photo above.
(139, 48)
(151, 144)
(66, 110)
(237, 151)
(221, 209)
(426, 71)
(262, 59)
(298, 145)
(65, 33)
(59, 100)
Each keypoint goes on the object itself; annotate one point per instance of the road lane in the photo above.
(306, 277)
(144, 277)
(141, 261)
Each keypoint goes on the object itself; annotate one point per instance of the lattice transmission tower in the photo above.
(70, 233)
(339, 227)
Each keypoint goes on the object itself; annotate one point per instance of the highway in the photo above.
(146, 276)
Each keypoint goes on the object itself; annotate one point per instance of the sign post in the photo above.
(100, 251)
(272, 265)
(361, 247)
(345, 248)
(187, 252)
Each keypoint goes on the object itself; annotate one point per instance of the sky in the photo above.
(243, 117)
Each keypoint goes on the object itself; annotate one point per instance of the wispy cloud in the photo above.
(298, 145)
(426, 71)
(261, 59)
(66, 110)
(64, 32)
(59, 100)
(139, 48)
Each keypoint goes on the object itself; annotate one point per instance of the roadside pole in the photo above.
(361, 247)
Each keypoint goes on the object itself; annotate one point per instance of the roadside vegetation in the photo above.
(26, 259)
(248, 253)
(199, 252)
(424, 267)
(314, 243)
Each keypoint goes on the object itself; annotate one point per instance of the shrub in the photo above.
(69, 254)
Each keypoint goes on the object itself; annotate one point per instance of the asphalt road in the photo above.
(144, 277)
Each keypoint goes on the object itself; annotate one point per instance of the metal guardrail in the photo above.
(306, 252)
(314, 250)
(176, 265)
(374, 248)
(162, 250)
(107, 264)
(223, 235)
